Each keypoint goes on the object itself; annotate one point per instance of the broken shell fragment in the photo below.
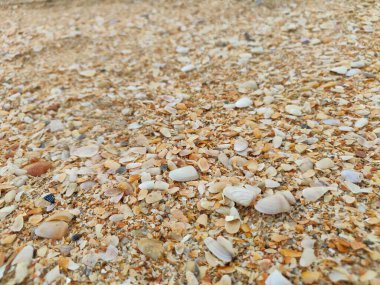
(232, 221)
(240, 144)
(352, 176)
(151, 247)
(18, 224)
(85, 151)
(184, 174)
(325, 163)
(218, 250)
(52, 230)
(278, 203)
(312, 194)
(38, 168)
(61, 216)
(241, 195)
(203, 164)
(276, 278)
(243, 102)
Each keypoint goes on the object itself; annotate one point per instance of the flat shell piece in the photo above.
(218, 250)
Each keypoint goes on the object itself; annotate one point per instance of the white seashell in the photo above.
(277, 141)
(18, 224)
(6, 211)
(250, 85)
(312, 194)
(240, 195)
(165, 132)
(353, 71)
(20, 273)
(110, 254)
(352, 176)
(90, 259)
(276, 278)
(52, 230)
(184, 174)
(191, 279)
(339, 70)
(72, 265)
(218, 250)
(24, 256)
(269, 183)
(307, 257)
(305, 165)
(325, 163)
(356, 189)
(293, 110)
(361, 123)
(275, 204)
(226, 244)
(240, 144)
(147, 185)
(52, 275)
(161, 185)
(188, 68)
(225, 280)
(243, 102)
(85, 151)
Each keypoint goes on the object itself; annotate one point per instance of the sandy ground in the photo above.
(272, 106)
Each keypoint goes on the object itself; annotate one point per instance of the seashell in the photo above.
(110, 254)
(52, 275)
(38, 168)
(6, 211)
(240, 195)
(191, 279)
(356, 189)
(24, 256)
(151, 247)
(275, 204)
(243, 102)
(203, 164)
(112, 192)
(361, 122)
(225, 280)
(184, 174)
(312, 194)
(276, 278)
(339, 70)
(218, 250)
(240, 144)
(269, 183)
(352, 176)
(293, 110)
(308, 256)
(52, 229)
(305, 165)
(35, 219)
(165, 132)
(223, 159)
(147, 185)
(85, 151)
(218, 187)
(232, 221)
(61, 215)
(20, 273)
(238, 161)
(18, 224)
(277, 141)
(90, 259)
(325, 163)
(250, 85)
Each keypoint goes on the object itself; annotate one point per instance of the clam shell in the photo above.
(61, 216)
(276, 278)
(184, 174)
(52, 230)
(243, 102)
(324, 163)
(218, 250)
(85, 151)
(312, 194)
(293, 110)
(240, 144)
(18, 224)
(225, 280)
(203, 164)
(352, 176)
(275, 204)
(239, 195)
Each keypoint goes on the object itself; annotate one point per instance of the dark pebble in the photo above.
(50, 198)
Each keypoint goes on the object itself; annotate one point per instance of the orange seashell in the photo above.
(38, 168)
